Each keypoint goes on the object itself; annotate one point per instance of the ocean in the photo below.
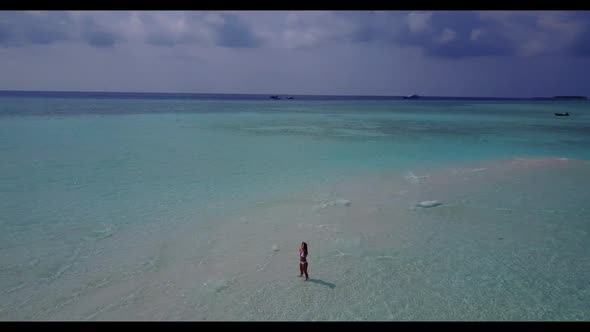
(193, 207)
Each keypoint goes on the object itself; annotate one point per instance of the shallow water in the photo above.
(170, 210)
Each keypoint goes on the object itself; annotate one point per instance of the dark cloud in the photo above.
(438, 34)
(488, 43)
(5, 33)
(581, 43)
(24, 28)
(456, 35)
(21, 28)
(48, 29)
(159, 35)
(227, 30)
(581, 46)
(461, 34)
(364, 52)
(97, 36)
(373, 26)
(442, 34)
(235, 33)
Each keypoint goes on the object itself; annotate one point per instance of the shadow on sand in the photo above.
(321, 282)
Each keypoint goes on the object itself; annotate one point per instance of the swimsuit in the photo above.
(302, 257)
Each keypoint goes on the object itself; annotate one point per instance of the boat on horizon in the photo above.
(412, 97)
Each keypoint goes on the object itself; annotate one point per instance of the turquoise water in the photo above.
(172, 209)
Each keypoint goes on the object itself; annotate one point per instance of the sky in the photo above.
(433, 53)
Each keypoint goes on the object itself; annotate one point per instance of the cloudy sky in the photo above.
(443, 53)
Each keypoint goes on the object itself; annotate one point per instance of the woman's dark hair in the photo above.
(304, 247)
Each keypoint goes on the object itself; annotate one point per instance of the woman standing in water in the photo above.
(303, 260)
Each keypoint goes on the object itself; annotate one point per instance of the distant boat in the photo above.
(562, 114)
(290, 98)
(412, 97)
(275, 97)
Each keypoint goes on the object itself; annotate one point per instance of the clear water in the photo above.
(143, 209)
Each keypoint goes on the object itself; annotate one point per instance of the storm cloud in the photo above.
(438, 34)
(341, 52)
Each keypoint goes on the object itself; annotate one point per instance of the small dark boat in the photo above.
(289, 97)
(275, 97)
(562, 114)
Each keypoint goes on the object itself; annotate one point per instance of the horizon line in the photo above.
(277, 94)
